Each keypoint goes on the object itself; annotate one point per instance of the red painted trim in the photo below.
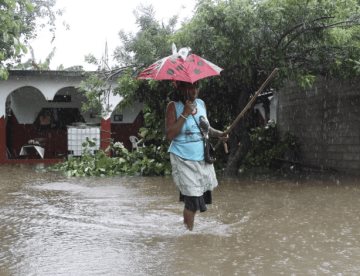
(122, 132)
(105, 134)
(56, 139)
(3, 156)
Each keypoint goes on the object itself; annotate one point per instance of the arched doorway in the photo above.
(31, 119)
(22, 108)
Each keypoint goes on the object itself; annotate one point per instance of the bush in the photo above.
(266, 146)
(145, 161)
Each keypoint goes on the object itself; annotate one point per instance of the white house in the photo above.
(38, 107)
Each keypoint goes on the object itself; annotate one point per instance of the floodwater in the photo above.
(52, 225)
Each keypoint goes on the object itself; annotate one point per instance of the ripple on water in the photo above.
(76, 224)
(133, 226)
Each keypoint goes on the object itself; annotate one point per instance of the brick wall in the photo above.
(326, 119)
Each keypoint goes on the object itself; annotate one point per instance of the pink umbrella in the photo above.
(181, 67)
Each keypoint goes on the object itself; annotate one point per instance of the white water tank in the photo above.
(77, 135)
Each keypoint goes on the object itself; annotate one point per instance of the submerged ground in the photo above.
(52, 225)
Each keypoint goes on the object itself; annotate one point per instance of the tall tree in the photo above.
(152, 42)
(19, 23)
(249, 38)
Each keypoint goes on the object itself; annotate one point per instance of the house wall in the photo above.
(55, 139)
(27, 102)
(122, 132)
(326, 119)
(27, 92)
(128, 114)
(3, 154)
(49, 83)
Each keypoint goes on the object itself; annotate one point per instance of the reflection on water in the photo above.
(51, 225)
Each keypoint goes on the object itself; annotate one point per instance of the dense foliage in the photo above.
(248, 39)
(145, 161)
(20, 21)
(267, 148)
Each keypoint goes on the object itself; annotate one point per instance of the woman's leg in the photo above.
(189, 217)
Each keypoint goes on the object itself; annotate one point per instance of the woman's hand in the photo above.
(223, 137)
(188, 108)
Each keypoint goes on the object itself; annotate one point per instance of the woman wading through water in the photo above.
(194, 178)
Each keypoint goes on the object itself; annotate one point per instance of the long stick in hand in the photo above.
(249, 104)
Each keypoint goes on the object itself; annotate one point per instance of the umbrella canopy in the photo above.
(181, 67)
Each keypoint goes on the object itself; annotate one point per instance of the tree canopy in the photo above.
(248, 39)
(20, 21)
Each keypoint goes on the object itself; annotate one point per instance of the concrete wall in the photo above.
(326, 119)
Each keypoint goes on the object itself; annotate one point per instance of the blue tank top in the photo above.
(189, 143)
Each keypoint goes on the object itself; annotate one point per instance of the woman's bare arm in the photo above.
(172, 124)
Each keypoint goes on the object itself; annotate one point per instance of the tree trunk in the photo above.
(238, 149)
(239, 139)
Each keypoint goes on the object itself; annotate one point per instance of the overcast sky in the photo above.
(93, 22)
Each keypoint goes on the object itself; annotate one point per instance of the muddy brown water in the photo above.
(53, 225)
